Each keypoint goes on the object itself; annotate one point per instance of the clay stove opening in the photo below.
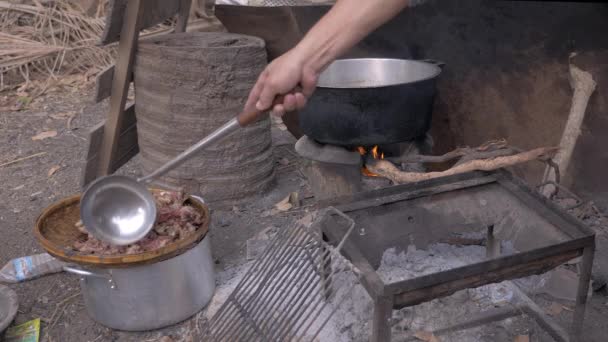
(335, 171)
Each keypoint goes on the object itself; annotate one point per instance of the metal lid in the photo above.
(375, 73)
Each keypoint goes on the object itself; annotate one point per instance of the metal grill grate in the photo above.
(289, 293)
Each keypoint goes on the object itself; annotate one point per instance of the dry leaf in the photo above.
(44, 135)
(554, 309)
(426, 336)
(284, 204)
(69, 124)
(62, 116)
(53, 170)
(522, 338)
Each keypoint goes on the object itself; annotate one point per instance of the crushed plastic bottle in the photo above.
(29, 267)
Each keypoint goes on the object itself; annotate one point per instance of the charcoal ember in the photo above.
(176, 220)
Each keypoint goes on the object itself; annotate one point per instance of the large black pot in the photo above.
(370, 101)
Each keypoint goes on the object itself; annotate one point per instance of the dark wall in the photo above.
(507, 75)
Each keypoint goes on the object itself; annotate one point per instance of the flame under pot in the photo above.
(371, 101)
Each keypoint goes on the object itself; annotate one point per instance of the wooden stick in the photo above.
(389, 170)
(120, 85)
(183, 15)
(583, 85)
(484, 151)
(22, 159)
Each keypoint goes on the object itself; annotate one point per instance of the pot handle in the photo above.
(86, 273)
(433, 61)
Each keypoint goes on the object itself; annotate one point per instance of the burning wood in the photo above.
(374, 154)
(488, 157)
(175, 221)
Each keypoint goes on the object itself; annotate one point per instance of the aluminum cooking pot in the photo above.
(371, 101)
(150, 296)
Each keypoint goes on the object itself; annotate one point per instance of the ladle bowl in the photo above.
(123, 210)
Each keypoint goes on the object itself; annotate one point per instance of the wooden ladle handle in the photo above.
(246, 118)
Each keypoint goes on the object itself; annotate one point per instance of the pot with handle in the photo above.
(371, 101)
(151, 296)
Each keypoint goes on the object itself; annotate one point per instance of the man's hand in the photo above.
(342, 27)
(282, 76)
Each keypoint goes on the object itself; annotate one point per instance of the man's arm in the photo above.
(347, 23)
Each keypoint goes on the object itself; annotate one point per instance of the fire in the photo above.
(367, 172)
(374, 152)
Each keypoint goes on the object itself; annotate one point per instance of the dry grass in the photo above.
(53, 43)
(40, 43)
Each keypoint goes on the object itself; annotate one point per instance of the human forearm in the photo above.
(348, 22)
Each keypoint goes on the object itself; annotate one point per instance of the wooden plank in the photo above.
(487, 267)
(182, 15)
(448, 287)
(381, 322)
(154, 12)
(128, 146)
(103, 83)
(582, 291)
(397, 193)
(89, 171)
(120, 85)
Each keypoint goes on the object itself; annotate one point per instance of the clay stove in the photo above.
(333, 171)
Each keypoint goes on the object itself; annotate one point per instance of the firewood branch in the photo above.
(583, 86)
(388, 170)
(494, 148)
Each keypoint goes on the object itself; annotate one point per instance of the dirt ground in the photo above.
(32, 184)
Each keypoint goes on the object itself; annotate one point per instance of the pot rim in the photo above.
(382, 72)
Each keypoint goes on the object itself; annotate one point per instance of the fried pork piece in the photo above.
(175, 221)
(80, 227)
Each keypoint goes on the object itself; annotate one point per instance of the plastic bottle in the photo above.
(29, 267)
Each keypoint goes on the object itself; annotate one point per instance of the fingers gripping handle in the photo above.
(245, 118)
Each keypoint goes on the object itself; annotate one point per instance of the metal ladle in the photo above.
(121, 210)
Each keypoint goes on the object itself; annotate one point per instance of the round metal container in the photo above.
(150, 296)
(371, 101)
(134, 292)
